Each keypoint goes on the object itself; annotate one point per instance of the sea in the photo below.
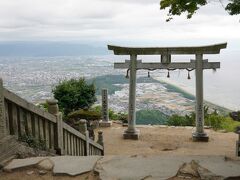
(34, 77)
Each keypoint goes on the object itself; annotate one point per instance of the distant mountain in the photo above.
(44, 48)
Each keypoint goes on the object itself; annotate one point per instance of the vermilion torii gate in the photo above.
(165, 52)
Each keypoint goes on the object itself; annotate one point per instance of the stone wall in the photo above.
(2, 113)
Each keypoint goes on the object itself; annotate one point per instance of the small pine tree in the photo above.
(74, 94)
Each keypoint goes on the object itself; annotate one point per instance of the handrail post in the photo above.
(83, 126)
(3, 126)
(238, 141)
(53, 109)
(100, 140)
(87, 144)
(83, 130)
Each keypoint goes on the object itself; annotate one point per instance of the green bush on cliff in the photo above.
(213, 120)
(74, 94)
(84, 114)
(177, 120)
(112, 114)
(221, 122)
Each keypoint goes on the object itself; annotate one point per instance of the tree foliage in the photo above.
(90, 114)
(74, 94)
(177, 7)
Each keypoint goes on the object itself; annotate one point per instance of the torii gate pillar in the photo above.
(131, 132)
(199, 134)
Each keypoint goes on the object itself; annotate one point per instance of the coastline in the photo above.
(186, 92)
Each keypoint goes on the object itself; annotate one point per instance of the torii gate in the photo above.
(198, 64)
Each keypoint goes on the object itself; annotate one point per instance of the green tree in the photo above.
(74, 94)
(177, 7)
(177, 120)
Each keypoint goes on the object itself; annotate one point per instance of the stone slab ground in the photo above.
(124, 167)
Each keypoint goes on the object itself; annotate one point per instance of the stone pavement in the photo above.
(134, 167)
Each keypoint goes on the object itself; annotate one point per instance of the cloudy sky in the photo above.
(112, 21)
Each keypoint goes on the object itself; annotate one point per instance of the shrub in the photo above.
(74, 94)
(215, 121)
(84, 114)
(221, 122)
(122, 117)
(229, 124)
(176, 120)
(112, 114)
(33, 142)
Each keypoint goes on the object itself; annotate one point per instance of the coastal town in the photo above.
(152, 96)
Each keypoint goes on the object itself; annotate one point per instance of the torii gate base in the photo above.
(131, 135)
(200, 137)
(198, 64)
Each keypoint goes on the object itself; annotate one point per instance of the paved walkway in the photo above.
(133, 167)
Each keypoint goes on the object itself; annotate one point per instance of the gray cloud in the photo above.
(109, 20)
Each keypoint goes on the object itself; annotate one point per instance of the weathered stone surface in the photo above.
(45, 164)
(20, 163)
(164, 167)
(194, 170)
(3, 128)
(42, 172)
(73, 165)
(189, 169)
(139, 167)
(30, 172)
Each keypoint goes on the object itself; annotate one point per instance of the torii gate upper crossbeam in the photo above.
(176, 65)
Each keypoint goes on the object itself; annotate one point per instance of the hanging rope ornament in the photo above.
(127, 76)
(148, 74)
(168, 74)
(189, 75)
(189, 70)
